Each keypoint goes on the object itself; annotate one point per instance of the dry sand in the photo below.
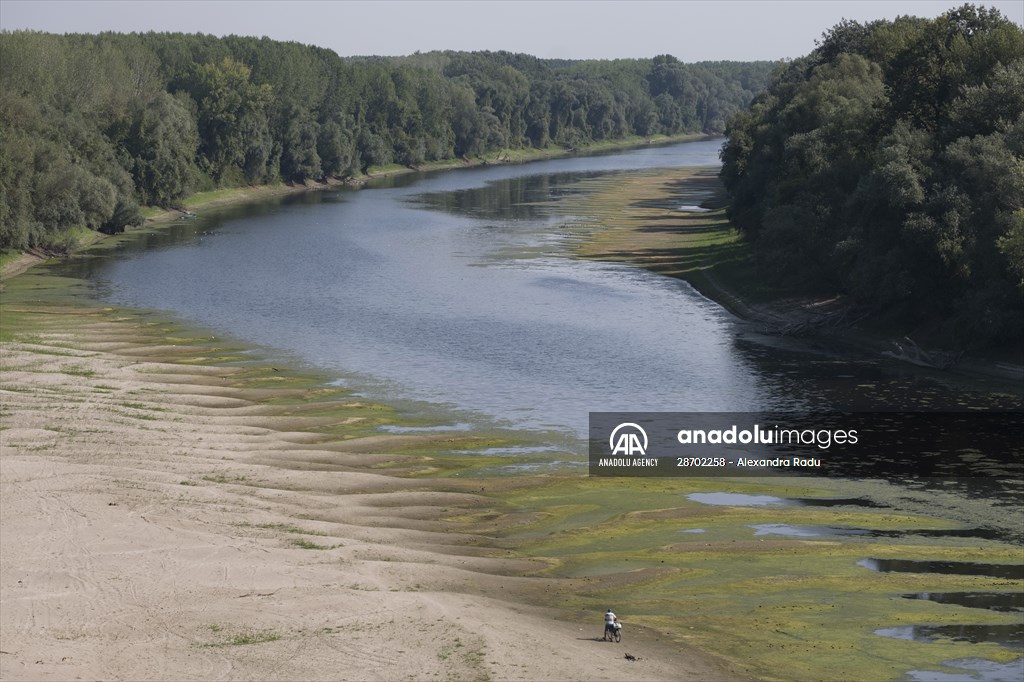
(151, 516)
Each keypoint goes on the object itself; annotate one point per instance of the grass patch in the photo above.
(77, 371)
(7, 257)
(306, 544)
(284, 528)
(11, 388)
(246, 638)
(215, 196)
(219, 478)
(57, 353)
(240, 638)
(143, 406)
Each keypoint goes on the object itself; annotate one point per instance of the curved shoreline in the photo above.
(281, 476)
(157, 217)
(640, 222)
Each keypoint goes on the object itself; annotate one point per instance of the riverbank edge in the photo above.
(15, 263)
(787, 313)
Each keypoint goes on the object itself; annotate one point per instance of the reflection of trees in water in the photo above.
(844, 380)
(520, 198)
(936, 445)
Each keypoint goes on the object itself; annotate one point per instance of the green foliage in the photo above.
(162, 143)
(231, 117)
(299, 157)
(336, 148)
(92, 125)
(889, 164)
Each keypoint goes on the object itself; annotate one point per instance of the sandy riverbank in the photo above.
(166, 515)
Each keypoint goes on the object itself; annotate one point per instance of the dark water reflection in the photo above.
(858, 382)
(838, 502)
(1008, 571)
(795, 531)
(993, 601)
(1009, 635)
(745, 500)
(517, 198)
(972, 670)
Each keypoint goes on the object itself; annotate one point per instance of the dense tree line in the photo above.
(93, 126)
(889, 164)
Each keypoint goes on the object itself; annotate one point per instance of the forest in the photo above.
(92, 127)
(888, 165)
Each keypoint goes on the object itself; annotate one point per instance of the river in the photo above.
(459, 289)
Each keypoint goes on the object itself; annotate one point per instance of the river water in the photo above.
(459, 289)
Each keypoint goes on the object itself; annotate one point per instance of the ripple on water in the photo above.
(745, 500)
(804, 531)
(510, 451)
(394, 428)
(1007, 634)
(974, 670)
(740, 500)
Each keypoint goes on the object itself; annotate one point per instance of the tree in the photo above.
(163, 144)
(300, 159)
(226, 99)
(889, 165)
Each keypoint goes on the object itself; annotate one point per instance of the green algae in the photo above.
(787, 608)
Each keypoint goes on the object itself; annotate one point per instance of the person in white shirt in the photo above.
(610, 619)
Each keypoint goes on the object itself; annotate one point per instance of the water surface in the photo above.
(460, 289)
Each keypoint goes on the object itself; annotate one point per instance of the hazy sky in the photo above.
(691, 30)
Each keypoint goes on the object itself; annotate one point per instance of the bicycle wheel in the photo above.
(617, 635)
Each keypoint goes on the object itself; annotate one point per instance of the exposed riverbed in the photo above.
(460, 290)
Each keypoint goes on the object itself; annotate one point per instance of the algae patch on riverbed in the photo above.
(789, 608)
(669, 221)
